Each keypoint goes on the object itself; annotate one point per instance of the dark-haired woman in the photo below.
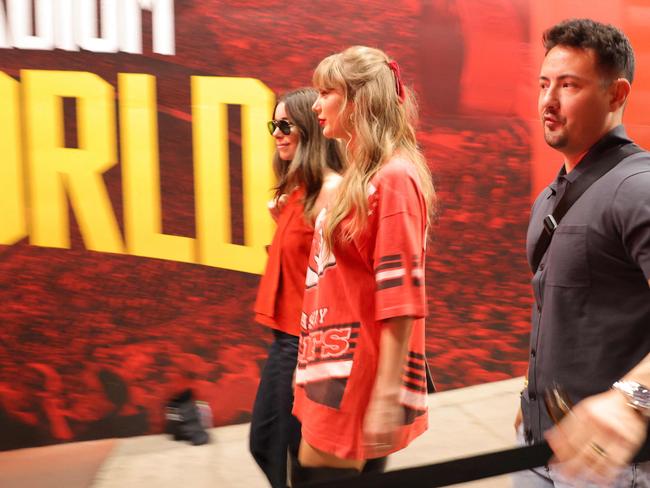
(307, 166)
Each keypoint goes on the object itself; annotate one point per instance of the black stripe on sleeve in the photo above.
(415, 387)
(391, 265)
(390, 257)
(390, 283)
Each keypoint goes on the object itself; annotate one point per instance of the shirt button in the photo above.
(532, 396)
(541, 266)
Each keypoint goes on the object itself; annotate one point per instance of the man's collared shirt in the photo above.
(591, 315)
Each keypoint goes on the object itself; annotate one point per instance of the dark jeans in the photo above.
(273, 428)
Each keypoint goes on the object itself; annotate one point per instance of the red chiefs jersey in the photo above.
(349, 292)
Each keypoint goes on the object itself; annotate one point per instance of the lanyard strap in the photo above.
(614, 153)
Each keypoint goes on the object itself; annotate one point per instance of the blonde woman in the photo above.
(360, 382)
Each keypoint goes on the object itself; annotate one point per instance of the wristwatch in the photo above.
(637, 395)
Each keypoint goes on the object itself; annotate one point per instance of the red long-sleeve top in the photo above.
(279, 296)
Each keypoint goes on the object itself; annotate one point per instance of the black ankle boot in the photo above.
(184, 420)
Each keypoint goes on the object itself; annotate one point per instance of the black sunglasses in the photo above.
(284, 126)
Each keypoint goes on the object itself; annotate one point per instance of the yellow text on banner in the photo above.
(210, 97)
(141, 174)
(13, 225)
(55, 171)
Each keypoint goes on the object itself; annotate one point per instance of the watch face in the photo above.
(642, 397)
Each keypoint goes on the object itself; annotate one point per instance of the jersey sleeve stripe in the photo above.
(323, 371)
(390, 284)
(386, 275)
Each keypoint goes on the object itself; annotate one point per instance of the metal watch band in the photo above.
(638, 395)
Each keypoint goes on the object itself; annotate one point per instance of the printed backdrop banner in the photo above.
(136, 167)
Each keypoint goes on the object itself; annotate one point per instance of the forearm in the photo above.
(385, 415)
(641, 372)
(393, 350)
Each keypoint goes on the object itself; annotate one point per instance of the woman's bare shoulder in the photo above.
(327, 190)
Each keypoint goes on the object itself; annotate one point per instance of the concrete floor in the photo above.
(462, 422)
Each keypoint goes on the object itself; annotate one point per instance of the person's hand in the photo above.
(600, 436)
(383, 418)
(275, 206)
(518, 419)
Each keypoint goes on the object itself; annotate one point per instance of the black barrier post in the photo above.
(458, 470)
(449, 472)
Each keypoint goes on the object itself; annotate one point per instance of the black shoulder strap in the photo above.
(610, 159)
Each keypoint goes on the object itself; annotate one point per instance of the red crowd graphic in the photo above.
(93, 344)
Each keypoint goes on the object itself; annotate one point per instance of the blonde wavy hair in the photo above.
(379, 125)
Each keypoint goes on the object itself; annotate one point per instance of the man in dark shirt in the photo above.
(591, 316)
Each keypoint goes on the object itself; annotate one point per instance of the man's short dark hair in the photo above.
(614, 54)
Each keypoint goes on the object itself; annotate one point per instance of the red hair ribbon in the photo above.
(399, 86)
